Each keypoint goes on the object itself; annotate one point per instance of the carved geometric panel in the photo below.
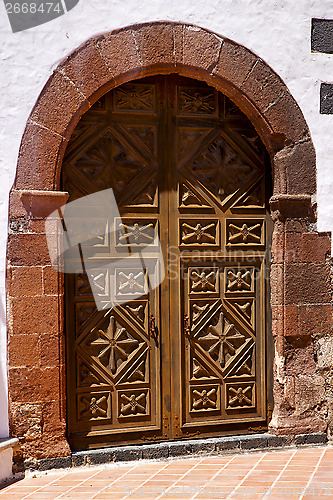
(113, 346)
(244, 307)
(254, 198)
(189, 137)
(239, 280)
(137, 372)
(145, 195)
(132, 403)
(245, 367)
(131, 282)
(200, 369)
(221, 169)
(220, 339)
(87, 377)
(94, 406)
(197, 101)
(194, 233)
(242, 232)
(109, 163)
(130, 232)
(240, 395)
(137, 310)
(203, 280)
(190, 198)
(134, 97)
(205, 398)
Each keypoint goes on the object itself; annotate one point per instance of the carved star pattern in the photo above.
(221, 340)
(131, 283)
(221, 169)
(134, 98)
(113, 345)
(95, 407)
(197, 102)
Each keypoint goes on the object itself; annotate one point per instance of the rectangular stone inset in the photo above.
(326, 99)
(322, 35)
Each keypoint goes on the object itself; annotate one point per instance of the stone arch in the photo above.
(299, 253)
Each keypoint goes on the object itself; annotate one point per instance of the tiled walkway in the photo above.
(303, 474)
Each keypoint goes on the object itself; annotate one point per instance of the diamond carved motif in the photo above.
(134, 97)
(220, 339)
(196, 101)
(221, 169)
(133, 233)
(112, 347)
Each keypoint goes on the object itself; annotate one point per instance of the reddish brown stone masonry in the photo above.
(300, 272)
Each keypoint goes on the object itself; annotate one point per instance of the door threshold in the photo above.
(174, 449)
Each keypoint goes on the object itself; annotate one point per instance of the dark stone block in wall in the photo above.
(322, 35)
(326, 99)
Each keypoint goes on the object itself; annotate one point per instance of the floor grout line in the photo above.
(313, 473)
(179, 479)
(246, 475)
(280, 474)
(113, 482)
(79, 484)
(146, 481)
(41, 487)
(211, 479)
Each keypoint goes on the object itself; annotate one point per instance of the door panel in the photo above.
(188, 358)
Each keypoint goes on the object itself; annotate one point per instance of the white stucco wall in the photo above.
(277, 31)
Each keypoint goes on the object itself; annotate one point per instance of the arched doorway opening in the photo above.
(184, 163)
(300, 272)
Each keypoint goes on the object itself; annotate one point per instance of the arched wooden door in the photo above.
(186, 164)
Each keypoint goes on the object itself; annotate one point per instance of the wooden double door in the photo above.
(188, 358)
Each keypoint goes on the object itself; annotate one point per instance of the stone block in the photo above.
(155, 451)
(155, 43)
(179, 449)
(307, 284)
(86, 69)
(253, 442)
(35, 315)
(235, 63)
(126, 453)
(314, 438)
(24, 280)
(227, 443)
(200, 48)
(119, 51)
(59, 106)
(55, 463)
(38, 158)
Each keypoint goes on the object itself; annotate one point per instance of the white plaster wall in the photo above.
(276, 30)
